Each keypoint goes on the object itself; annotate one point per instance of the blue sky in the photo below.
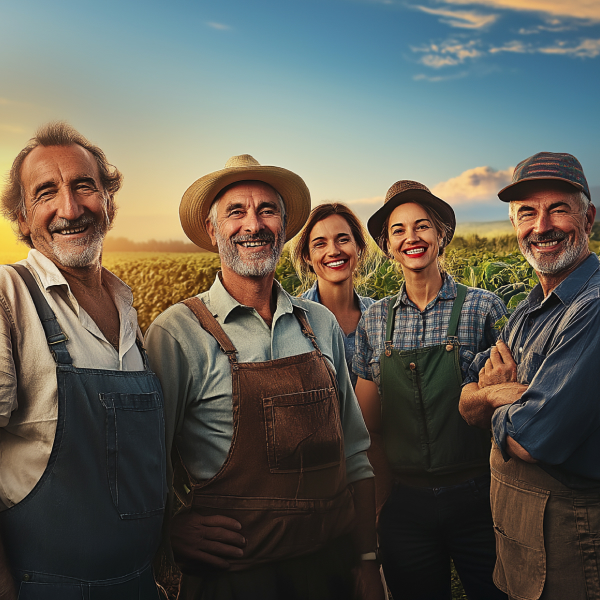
(350, 94)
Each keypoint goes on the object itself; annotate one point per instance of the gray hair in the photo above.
(212, 213)
(59, 133)
(583, 201)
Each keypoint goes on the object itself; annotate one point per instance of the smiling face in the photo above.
(248, 229)
(333, 250)
(65, 206)
(412, 238)
(551, 227)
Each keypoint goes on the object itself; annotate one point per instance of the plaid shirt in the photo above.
(415, 329)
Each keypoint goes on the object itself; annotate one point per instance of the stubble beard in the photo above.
(552, 265)
(80, 252)
(260, 264)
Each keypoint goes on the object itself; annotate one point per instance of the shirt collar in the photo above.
(222, 303)
(50, 276)
(566, 291)
(447, 292)
(313, 294)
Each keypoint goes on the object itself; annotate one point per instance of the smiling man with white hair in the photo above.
(263, 428)
(538, 390)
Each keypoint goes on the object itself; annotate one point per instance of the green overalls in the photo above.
(423, 432)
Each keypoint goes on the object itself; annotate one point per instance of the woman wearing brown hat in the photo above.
(331, 248)
(412, 352)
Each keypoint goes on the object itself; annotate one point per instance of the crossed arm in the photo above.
(497, 387)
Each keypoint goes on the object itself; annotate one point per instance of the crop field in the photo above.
(159, 280)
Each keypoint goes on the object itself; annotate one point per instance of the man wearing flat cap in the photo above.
(266, 437)
(538, 390)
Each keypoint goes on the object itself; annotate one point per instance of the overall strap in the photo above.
(391, 317)
(55, 336)
(210, 324)
(305, 326)
(461, 293)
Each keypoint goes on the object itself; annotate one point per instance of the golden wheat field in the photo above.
(159, 280)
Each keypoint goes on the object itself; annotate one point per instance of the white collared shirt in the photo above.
(28, 386)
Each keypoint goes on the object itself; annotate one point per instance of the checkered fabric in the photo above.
(415, 329)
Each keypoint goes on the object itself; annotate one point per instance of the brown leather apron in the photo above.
(284, 478)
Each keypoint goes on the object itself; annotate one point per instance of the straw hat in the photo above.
(411, 191)
(196, 202)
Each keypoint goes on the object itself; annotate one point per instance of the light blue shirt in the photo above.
(349, 340)
(196, 378)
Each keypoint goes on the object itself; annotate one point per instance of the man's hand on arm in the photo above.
(500, 367)
(205, 539)
(477, 405)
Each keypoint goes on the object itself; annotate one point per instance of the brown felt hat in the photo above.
(411, 191)
(196, 202)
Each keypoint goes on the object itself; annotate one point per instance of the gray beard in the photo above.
(552, 265)
(261, 264)
(82, 252)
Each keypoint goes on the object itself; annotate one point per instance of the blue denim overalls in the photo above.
(91, 526)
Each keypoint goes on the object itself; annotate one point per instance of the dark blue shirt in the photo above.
(555, 342)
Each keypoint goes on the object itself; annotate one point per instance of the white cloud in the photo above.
(514, 46)
(449, 53)
(437, 78)
(579, 9)
(461, 19)
(585, 49)
(478, 184)
(219, 26)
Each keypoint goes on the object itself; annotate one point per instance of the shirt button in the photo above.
(520, 350)
(412, 366)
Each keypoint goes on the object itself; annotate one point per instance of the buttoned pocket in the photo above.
(518, 524)
(135, 452)
(303, 431)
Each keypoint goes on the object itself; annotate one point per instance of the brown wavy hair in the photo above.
(300, 252)
(58, 133)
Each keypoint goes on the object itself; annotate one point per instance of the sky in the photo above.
(352, 95)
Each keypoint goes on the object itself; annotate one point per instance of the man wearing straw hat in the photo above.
(538, 390)
(266, 437)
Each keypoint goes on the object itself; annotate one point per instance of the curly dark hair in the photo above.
(57, 133)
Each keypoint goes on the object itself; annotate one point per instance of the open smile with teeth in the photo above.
(72, 231)
(254, 244)
(415, 251)
(336, 263)
(546, 244)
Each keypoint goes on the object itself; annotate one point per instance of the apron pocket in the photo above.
(303, 431)
(519, 528)
(135, 434)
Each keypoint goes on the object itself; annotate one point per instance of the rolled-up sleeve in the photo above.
(559, 410)
(356, 435)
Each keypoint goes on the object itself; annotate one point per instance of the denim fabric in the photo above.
(421, 529)
(556, 346)
(349, 340)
